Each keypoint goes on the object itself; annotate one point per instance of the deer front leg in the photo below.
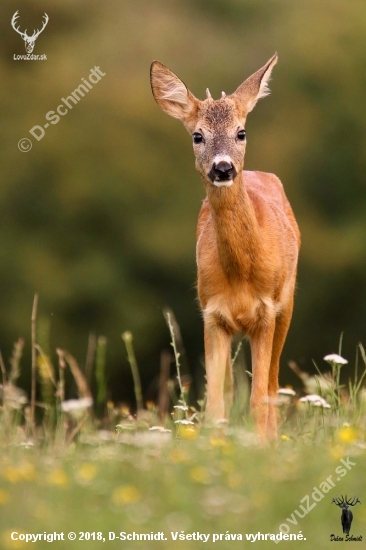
(282, 326)
(218, 372)
(261, 346)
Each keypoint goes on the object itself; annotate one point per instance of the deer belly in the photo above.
(243, 314)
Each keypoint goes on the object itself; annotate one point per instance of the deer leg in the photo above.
(228, 385)
(261, 346)
(282, 326)
(219, 384)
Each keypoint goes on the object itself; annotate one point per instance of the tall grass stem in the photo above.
(34, 361)
(127, 338)
(176, 356)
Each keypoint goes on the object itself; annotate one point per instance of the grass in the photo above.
(74, 473)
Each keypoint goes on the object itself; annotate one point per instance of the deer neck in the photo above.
(235, 226)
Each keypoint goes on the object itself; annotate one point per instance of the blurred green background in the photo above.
(99, 217)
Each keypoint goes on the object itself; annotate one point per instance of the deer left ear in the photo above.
(255, 87)
(171, 94)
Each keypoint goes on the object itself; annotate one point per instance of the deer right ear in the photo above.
(171, 94)
(255, 87)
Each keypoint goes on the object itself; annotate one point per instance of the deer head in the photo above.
(29, 40)
(217, 126)
(344, 502)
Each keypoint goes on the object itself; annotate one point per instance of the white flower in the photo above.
(76, 404)
(183, 422)
(159, 429)
(181, 407)
(335, 358)
(321, 404)
(316, 401)
(286, 391)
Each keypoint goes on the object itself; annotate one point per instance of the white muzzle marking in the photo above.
(222, 158)
(225, 183)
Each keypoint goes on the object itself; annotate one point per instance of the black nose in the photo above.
(222, 171)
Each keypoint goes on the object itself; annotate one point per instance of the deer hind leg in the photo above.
(261, 346)
(281, 329)
(219, 378)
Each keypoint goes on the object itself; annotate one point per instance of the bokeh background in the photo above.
(99, 217)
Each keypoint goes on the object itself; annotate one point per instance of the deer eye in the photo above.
(241, 135)
(197, 137)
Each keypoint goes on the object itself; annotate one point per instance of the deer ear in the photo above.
(255, 87)
(171, 94)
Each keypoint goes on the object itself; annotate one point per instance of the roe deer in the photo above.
(247, 243)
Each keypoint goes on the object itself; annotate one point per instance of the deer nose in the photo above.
(222, 171)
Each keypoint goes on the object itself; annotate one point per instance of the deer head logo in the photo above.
(28, 40)
(347, 516)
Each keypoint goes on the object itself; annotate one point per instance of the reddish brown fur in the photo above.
(247, 247)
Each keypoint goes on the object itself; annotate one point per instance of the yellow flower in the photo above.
(189, 432)
(217, 441)
(260, 499)
(58, 478)
(347, 434)
(12, 474)
(8, 543)
(126, 494)
(199, 474)
(87, 472)
(178, 455)
(4, 496)
(337, 452)
(285, 438)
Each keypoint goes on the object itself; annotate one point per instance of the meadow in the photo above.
(147, 480)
